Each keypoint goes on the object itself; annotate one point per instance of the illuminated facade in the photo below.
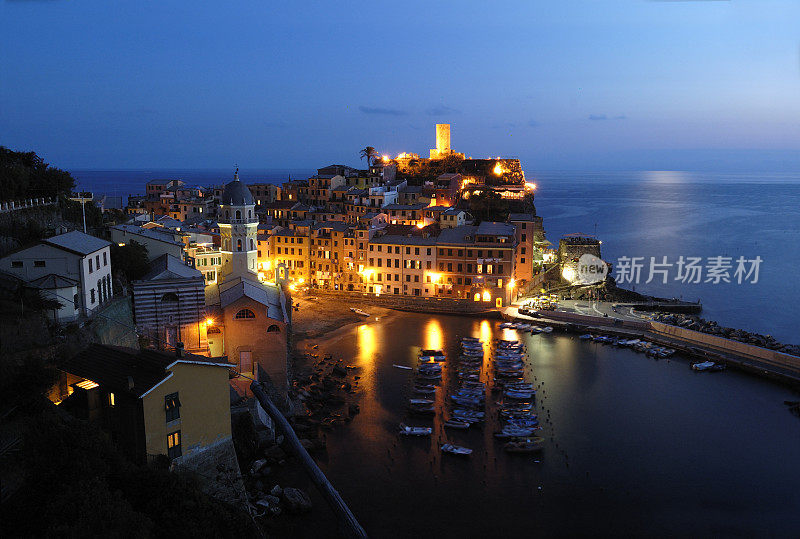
(238, 230)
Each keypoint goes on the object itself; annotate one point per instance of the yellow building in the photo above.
(152, 403)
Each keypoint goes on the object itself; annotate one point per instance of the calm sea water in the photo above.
(634, 446)
(647, 214)
(656, 214)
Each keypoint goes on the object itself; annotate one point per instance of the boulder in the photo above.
(257, 465)
(296, 500)
(276, 491)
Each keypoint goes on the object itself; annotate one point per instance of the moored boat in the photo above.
(415, 431)
(456, 450)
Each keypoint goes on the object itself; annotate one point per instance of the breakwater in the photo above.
(755, 359)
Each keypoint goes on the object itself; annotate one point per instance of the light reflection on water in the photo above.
(630, 442)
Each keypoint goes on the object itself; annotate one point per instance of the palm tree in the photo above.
(370, 153)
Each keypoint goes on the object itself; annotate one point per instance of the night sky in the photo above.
(589, 85)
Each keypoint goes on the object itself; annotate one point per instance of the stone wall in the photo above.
(113, 324)
(729, 346)
(218, 471)
(411, 303)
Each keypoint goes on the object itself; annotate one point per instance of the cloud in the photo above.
(441, 110)
(533, 123)
(621, 117)
(382, 111)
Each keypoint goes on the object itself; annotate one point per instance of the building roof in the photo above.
(168, 267)
(118, 368)
(458, 234)
(338, 226)
(398, 239)
(231, 291)
(152, 233)
(77, 242)
(168, 222)
(236, 193)
(490, 228)
(521, 217)
(53, 281)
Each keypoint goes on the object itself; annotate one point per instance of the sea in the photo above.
(633, 446)
(643, 215)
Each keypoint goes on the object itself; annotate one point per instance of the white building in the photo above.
(238, 231)
(73, 256)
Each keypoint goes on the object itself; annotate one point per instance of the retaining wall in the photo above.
(409, 303)
(724, 345)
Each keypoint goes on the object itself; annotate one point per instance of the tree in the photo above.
(486, 205)
(370, 154)
(26, 175)
(130, 260)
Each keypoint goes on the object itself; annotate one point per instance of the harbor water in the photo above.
(633, 445)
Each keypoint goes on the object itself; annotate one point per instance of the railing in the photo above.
(27, 203)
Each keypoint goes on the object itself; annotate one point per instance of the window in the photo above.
(172, 407)
(90, 266)
(75, 301)
(171, 297)
(97, 261)
(238, 245)
(38, 263)
(244, 314)
(112, 401)
(91, 293)
(174, 445)
(16, 263)
(522, 260)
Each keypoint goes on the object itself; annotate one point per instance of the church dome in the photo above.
(236, 193)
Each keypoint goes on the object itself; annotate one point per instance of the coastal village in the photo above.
(176, 319)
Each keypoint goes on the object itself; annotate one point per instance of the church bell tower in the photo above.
(238, 229)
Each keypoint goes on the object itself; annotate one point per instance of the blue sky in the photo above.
(599, 84)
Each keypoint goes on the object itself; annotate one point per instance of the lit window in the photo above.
(112, 401)
(244, 314)
(174, 444)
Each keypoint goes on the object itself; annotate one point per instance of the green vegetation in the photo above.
(130, 260)
(370, 154)
(26, 175)
(74, 483)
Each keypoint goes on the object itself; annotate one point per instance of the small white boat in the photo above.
(402, 367)
(418, 402)
(456, 450)
(415, 431)
(547, 329)
(456, 424)
(359, 311)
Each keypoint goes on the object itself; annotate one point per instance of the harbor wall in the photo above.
(721, 344)
(411, 303)
(590, 320)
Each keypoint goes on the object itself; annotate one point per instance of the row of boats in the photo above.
(467, 403)
(521, 326)
(639, 345)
